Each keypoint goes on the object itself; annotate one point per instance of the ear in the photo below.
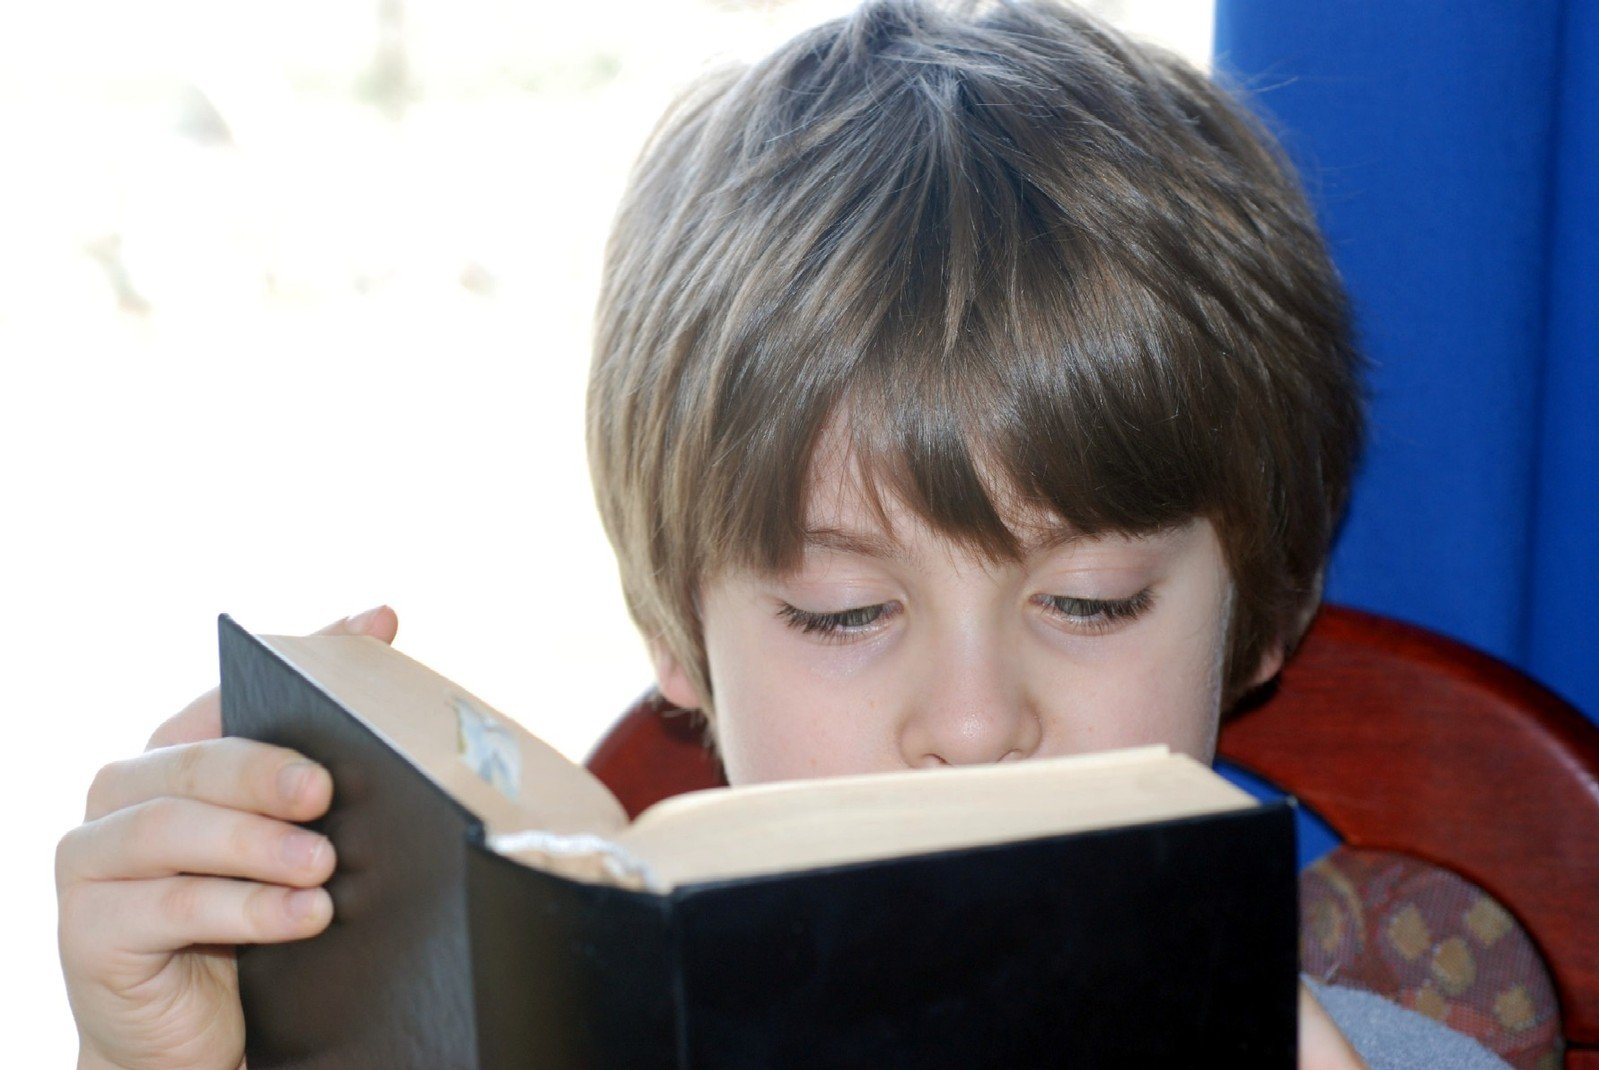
(1271, 660)
(1271, 663)
(671, 679)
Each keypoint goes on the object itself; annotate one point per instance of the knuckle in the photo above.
(160, 737)
(243, 840)
(149, 822)
(66, 850)
(105, 789)
(188, 770)
(183, 903)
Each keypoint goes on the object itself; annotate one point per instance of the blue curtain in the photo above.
(1452, 150)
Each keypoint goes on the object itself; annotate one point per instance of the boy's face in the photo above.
(894, 647)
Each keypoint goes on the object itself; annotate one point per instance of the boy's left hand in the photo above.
(184, 851)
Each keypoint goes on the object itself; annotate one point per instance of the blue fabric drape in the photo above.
(1452, 151)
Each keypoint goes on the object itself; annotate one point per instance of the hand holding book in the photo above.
(184, 851)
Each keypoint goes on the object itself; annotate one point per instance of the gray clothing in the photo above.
(1389, 1037)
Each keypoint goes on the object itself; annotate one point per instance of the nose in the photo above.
(972, 706)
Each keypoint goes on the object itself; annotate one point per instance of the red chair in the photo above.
(1403, 741)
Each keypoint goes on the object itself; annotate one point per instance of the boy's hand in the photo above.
(185, 851)
(1321, 1045)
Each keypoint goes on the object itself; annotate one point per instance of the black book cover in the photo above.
(388, 984)
(1172, 943)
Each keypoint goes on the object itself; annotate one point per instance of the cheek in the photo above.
(1186, 697)
(1150, 696)
(1185, 679)
(1194, 652)
(1161, 684)
(778, 719)
(780, 736)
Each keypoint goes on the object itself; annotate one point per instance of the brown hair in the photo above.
(993, 240)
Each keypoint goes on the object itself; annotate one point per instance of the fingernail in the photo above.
(303, 903)
(360, 621)
(302, 849)
(293, 779)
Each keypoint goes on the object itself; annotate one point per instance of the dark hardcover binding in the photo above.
(388, 984)
(1171, 943)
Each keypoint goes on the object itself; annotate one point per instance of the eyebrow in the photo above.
(860, 543)
(872, 544)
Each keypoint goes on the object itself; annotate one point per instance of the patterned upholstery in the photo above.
(1431, 941)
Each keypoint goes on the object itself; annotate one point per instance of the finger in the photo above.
(380, 622)
(169, 837)
(177, 912)
(202, 718)
(238, 773)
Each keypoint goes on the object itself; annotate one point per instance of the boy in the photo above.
(969, 386)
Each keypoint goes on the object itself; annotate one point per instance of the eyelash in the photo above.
(1091, 614)
(838, 623)
(1096, 614)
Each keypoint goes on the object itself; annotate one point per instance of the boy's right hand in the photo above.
(186, 850)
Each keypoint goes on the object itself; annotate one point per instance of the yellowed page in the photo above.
(418, 713)
(804, 824)
(556, 815)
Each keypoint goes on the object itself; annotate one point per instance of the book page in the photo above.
(548, 812)
(496, 768)
(804, 824)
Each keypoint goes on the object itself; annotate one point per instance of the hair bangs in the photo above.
(1095, 411)
(1065, 415)
(988, 357)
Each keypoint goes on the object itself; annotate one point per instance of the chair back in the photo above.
(1406, 741)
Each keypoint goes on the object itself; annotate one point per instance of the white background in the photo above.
(283, 339)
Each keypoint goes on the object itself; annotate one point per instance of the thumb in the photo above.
(202, 718)
(380, 622)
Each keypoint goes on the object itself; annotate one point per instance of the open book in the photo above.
(494, 907)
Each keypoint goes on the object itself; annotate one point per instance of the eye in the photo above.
(838, 623)
(1095, 614)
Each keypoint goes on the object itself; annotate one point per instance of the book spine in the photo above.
(566, 974)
